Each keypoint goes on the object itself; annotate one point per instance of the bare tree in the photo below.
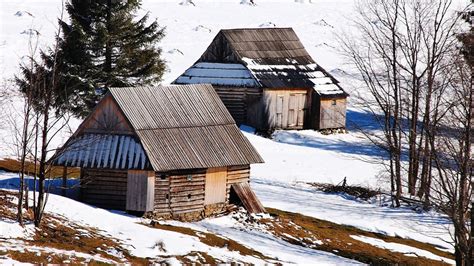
(25, 134)
(419, 91)
(375, 54)
(48, 99)
(451, 186)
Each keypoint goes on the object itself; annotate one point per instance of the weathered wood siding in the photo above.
(332, 113)
(186, 191)
(104, 188)
(162, 195)
(106, 118)
(286, 109)
(215, 187)
(140, 190)
(236, 174)
(240, 102)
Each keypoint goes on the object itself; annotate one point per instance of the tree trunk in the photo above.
(42, 164)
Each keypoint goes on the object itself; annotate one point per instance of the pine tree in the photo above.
(102, 46)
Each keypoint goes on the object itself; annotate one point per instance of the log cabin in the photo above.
(167, 151)
(267, 80)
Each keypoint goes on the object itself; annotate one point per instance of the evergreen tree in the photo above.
(102, 46)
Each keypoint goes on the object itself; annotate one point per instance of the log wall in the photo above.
(104, 188)
(241, 102)
(179, 192)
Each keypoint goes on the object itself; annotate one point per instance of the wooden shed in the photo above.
(171, 151)
(267, 80)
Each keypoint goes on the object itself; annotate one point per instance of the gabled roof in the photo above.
(275, 58)
(177, 127)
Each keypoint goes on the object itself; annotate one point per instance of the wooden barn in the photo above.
(169, 151)
(267, 80)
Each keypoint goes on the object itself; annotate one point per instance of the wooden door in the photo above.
(301, 105)
(215, 189)
(292, 112)
(279, 112)
(140, 190)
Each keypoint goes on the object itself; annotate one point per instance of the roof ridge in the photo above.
(269, 28)
(213, 125)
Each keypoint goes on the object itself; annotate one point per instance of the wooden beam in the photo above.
(64, 187)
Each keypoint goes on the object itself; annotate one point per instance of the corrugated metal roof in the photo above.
(104, 151)
(173, 106)
(197, 147)
(184, 127)
(177, 127)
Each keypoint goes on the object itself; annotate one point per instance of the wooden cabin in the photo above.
(167, 151)
(267, 80)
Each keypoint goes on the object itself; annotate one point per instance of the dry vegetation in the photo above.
(11, 165)
(212, 240)
(306, 231)
(58, 233)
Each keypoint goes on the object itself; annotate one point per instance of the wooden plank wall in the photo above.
(236, 100)
(332, 116)
(106, 118)
(250, 201)
(104, 188)
(236, 174)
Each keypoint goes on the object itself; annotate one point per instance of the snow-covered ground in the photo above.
(425, 227)
(290, 157)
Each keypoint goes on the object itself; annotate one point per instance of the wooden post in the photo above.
(64, 186)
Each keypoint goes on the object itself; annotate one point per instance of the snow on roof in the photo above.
(328, 89)
(219, 74)
(294, 75)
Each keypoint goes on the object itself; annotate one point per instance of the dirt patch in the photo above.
(323, 235)
(212, 240)
(59, 233)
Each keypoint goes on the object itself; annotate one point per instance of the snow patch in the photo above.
(406, 250)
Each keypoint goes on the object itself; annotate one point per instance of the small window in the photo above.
(163, 176)
(333, 102)
(189, 177)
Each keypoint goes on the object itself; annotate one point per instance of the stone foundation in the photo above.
(207, 211)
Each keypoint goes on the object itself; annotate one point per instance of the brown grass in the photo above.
(213, 240)
(57, 232)
(14, 166)
(336, 239)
